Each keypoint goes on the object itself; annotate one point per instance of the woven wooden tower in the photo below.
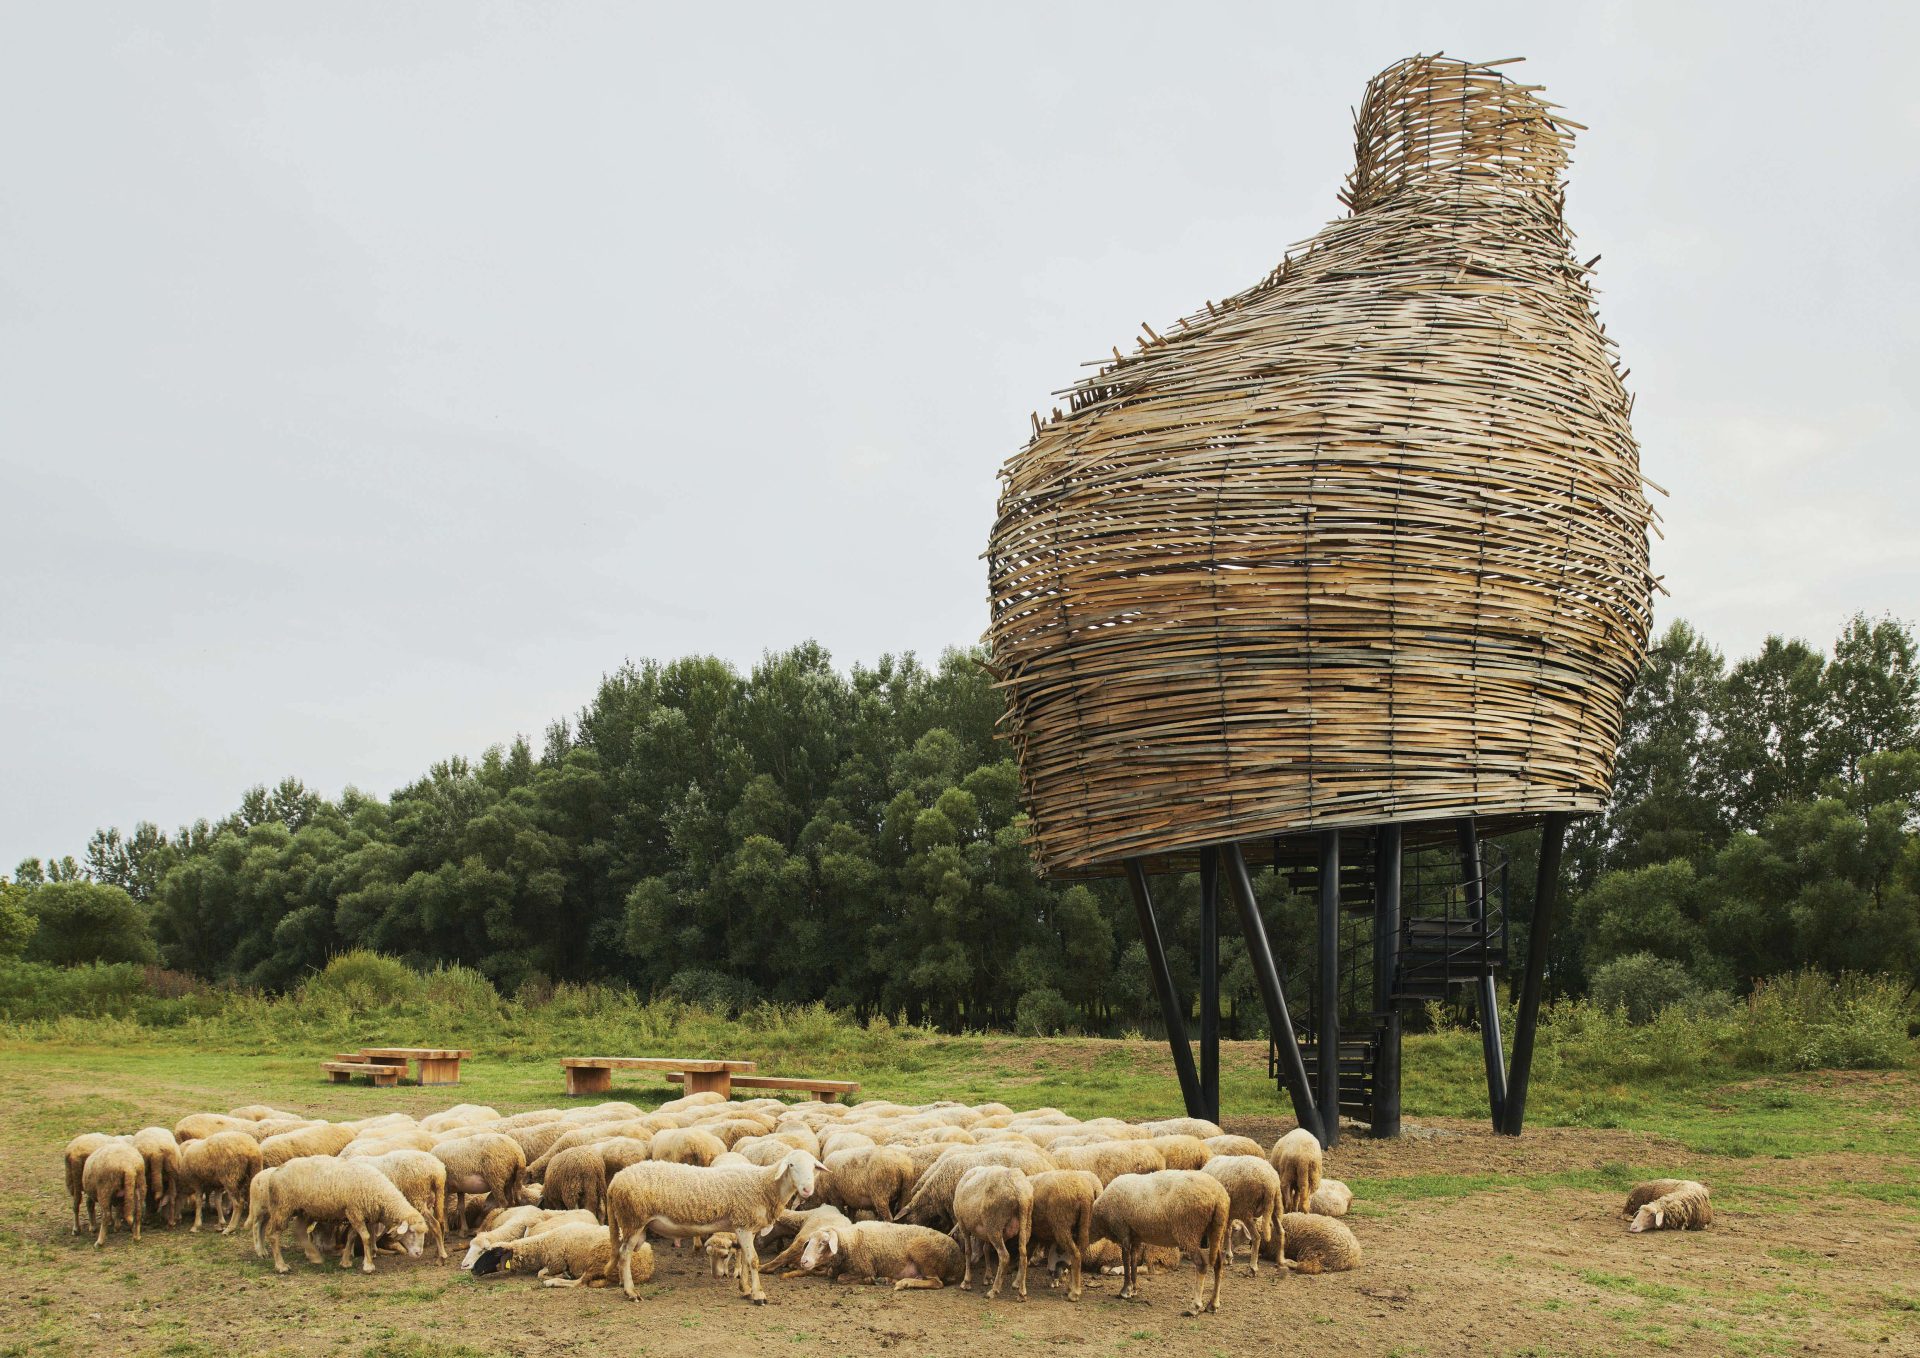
(1364, 545)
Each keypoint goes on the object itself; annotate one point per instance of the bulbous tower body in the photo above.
(1364, 543)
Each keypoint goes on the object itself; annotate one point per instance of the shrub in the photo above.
(461, 989)
(1808, 1020)
(1042, 1012)
(364, 979)
(713, 990)
(1642, 986)
(84, 921)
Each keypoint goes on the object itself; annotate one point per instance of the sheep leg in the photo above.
(275, 1226)
(1074, 1283)
(902, 1284)
(1000, 1268)
(359, 1226)
(103, 1211)
(1026, 1243)
(748, 1264)
(76, 1211)
(966, 1253)
(628, 1244)
(306, 1240)
(136, 1203)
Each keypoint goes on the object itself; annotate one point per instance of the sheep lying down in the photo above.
(1684, 1208)
(881, 1251)
(575, 1255)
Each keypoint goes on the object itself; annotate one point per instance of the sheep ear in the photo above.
(1659, 1218)
(832, 1237)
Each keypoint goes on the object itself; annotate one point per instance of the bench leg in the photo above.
(589, 1079)
(384, 1077)
(338, 1077)
(440, 1072)
(719, 1081)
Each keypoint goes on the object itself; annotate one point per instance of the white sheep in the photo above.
(1253, 1185)
(1318, 1244)
(683, 1201)
(687, 1146)
(993, 1204)
(422, 1181)
(484, 1163)
(868, 1178)
(1331, 1199)
(869, 1251)
(162, 1154)
(220, 1167)
(319, 1189)
(1297, 1158)
(77, 1152)
(1063, 1222)
(1110, 1159)
(574, 1255)
(115, 1172)
(516, 1223)
(1683, 1209)
(1181, 1208)
(326, 1139)
(1229, 1144)
(932, 1200)
(575, 1178)
(790, 1231)
(460, 1115)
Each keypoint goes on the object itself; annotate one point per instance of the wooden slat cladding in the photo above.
(1367, 542)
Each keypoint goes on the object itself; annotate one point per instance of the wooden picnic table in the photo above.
(823, 1091)
(594, 1074)
(436, 1065)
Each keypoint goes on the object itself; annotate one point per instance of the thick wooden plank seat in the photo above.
(823, 1091)
(594, 1074)
(341, 1072)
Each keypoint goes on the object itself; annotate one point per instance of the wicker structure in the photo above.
(1366, 543)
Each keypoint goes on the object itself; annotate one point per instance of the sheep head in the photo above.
(795, 1173)
(1648, 1218)
(824, 1245)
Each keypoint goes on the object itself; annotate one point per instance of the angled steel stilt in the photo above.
(1475, 886)
(1553, 839)
(1260, 954)
(1210, 983)
(1171, 1010)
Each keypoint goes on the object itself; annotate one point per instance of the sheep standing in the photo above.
(932, 1200)
(1684, 1209)
(1318, 1244)
(162, 1154)
(1297, 1158)
(1110, 1159)
(422, 1181)
(115, 1172)
(993, 1204)
(319, 1189)
(575, 1178)
(1181, 1208)
(687, 1146)
(687, 1200)
(78, 1150)
(868, 1178)
(1253, 1185)
(1228, 1144)
(567, 1256)
(221, 1167)
(326, 1139)
(1063, 1222)
(869, 1251)
(484, 1164)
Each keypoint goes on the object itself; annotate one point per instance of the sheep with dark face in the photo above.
(567, 1256)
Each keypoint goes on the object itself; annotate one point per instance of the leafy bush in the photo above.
(1808, 1020)
(363, 979)
(713, 990)
(81, 921)
(451, 986)
(1043, 1012)
(1642, 986)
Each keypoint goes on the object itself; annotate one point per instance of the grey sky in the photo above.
(374, 377)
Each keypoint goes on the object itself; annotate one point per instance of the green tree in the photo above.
(81, 921)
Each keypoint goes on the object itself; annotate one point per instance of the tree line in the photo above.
(798, 833)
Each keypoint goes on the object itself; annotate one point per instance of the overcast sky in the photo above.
(374, 377)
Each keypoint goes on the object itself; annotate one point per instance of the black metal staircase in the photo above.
(1452, 933)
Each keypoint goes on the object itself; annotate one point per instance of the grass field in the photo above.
(1475, 1243)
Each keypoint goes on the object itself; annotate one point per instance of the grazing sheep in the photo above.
(326, 1139)
(870, 1178)
(1684, 1209)
(1318, 1244)
(1331, 1199)
(258, 1210)
(932, 1200)
(992, 1205)
(266, 1127)
(870, 1251)
(319, 1189)
(1110, 1159)
(732, 1129)
(767, 1150)
(115, 1172)
(1234, 1145)
(460, 1115)
(680, 1201)
(78, 1150)
(575, 1179)
(484, 1164)
(390, 1138)
(1182, 1151)
(1181, 1208)
(535, 1139)
(617, 1152)
(1253, 1186)
(1104, 1257)
(221, 1167)
(605, 1130)
(422, 1180)
(1197, 1128)
(567, 1256)
(162, 1154)
(1297, 1158)
(516, 1223)
(258, 1112)
(687, 1146)
(1645, 1193)
(844, 1139)
(790, 1232)
(194, 1126)
(1063, 1222)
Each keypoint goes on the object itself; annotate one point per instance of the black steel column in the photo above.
(1171, 1009)
(1553, 838)
(1254, 929)
(1386, 979)
(1474, 884)
(1327, 1020)
(1210, 984)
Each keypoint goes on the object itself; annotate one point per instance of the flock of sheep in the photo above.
(915, 1195)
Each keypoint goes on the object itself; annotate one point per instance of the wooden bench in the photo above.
(594, 1074)
(823, 1091)
(383, 1075)
(435, 1065)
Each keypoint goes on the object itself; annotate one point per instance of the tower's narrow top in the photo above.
(1439, 124)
